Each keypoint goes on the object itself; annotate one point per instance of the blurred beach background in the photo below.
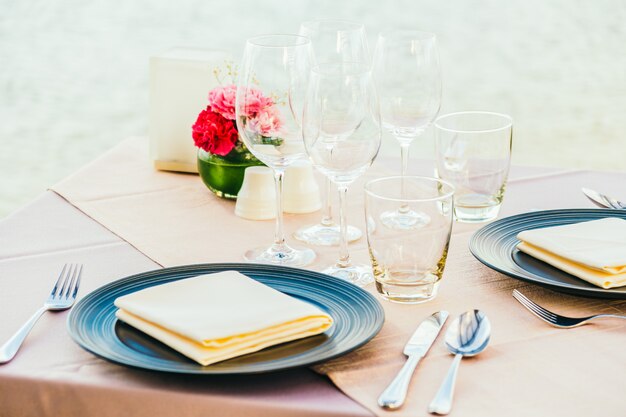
(74, 73)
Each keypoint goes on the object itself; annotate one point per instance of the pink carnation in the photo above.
(266, 122)
(255, 101)
(222, 101)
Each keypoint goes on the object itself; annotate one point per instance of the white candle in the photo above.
(180, 81)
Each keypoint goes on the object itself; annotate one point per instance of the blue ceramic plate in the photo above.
(357, 315)
(495, 245)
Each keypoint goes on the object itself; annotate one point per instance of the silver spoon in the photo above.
(603, 200)
(468, 335)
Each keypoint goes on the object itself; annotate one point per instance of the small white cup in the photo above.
(301, 193)
(256, 199)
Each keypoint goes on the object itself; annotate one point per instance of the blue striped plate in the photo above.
(357, 315)
(495, 245)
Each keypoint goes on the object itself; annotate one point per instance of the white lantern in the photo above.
(180, 81)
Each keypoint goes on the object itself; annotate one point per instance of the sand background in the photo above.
(74, 74)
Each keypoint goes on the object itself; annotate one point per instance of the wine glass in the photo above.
(342, 134)
(270, 95)
(408, 79)
(333, 41)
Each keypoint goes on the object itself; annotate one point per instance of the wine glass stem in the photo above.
(279, 234)
(404, 155)
(327, 216)
(344, 255)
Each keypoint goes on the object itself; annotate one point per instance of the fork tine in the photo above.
(611, 202)
(56, 284)
(539, 312)
(524, 301)
(77, 283)
(538, 308)
(66, 277)
(616, 204)
(70, 286)
(535, 308)
(529, 304)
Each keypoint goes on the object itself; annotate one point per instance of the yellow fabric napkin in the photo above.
(594, 251)
(214, 317)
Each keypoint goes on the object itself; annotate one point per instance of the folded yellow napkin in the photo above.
(214, 317)
(594, 251)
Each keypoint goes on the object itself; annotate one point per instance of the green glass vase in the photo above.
(223, 175)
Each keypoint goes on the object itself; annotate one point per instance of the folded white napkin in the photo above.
(594, 251)
(214, 317)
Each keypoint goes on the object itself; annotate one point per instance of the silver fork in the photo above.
(554, 319)
(61, 298)
(603, 200)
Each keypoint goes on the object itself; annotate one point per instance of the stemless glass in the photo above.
(270, 95)
(342, 133)
(408, 78)
(408, 263)
(334, 41)
(474, 153)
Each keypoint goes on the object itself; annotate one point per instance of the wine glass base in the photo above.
(404, 219)
(319, 234)
(285, 256)
(360, 275)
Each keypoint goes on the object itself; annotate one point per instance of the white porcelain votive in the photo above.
(301, 193)
(256, 199)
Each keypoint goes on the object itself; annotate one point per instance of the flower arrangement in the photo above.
(215, 130)
(222, 156)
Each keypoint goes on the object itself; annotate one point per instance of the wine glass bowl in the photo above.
(273, 132)
(341, 125)
(336, 40)
(407, 72)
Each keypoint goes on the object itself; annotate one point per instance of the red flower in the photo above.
(214, 133)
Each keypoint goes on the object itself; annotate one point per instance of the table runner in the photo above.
(529, 367)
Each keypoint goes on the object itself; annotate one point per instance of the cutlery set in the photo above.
(468, 335)
(393, 397)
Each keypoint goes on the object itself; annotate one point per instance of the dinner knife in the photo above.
(418, 345)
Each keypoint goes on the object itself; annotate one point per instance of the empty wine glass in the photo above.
(407, 74)
(333, 41)
(342, 133)
(270, 93)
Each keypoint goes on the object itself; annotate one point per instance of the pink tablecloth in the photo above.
(53, 376)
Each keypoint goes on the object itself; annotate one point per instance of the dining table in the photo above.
(118, 217)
